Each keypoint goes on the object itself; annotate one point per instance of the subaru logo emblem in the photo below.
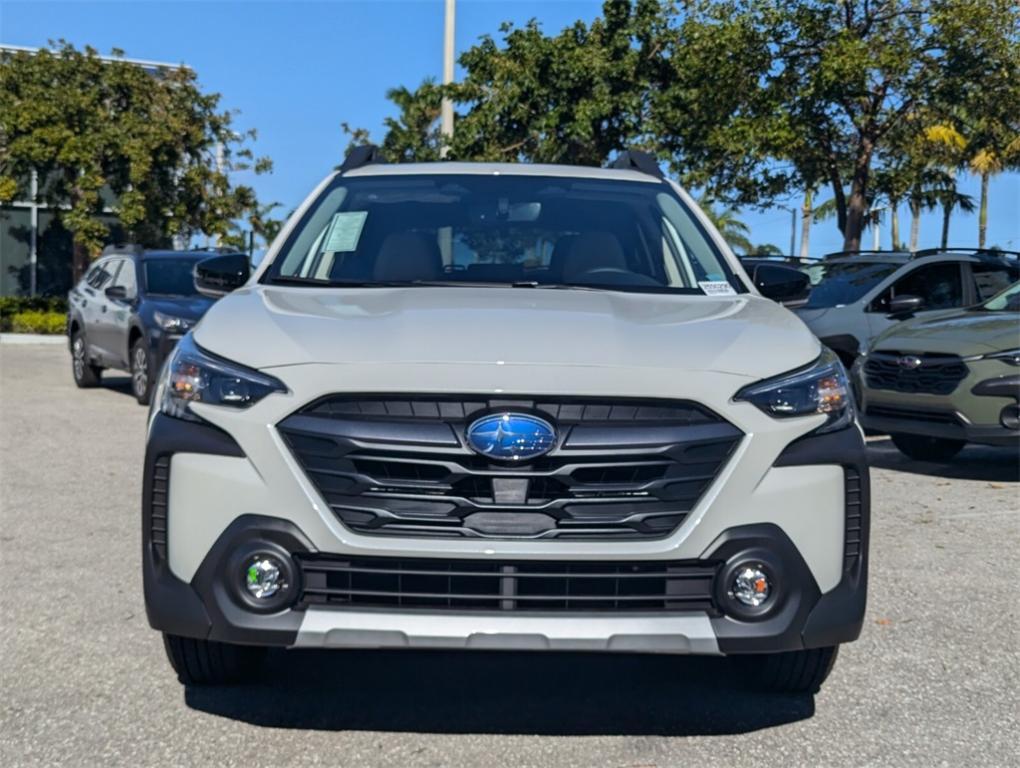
(511, 436)
(910, 362)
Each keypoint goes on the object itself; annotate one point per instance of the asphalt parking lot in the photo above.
(932, 681)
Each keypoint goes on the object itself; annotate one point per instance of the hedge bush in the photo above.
(35, 321)
(11, 306)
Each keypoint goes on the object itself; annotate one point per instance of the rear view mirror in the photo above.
(219, 275)
(905, 305)
(780, 282)
(116, 292)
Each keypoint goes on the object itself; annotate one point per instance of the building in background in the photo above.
(35, 250)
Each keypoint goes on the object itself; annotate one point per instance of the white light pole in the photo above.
(793, 228)
(876, 222)
(446, 113)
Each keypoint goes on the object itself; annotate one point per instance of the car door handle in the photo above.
(103, 308)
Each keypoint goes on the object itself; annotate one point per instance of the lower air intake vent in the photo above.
(853, 508)
(158, 504)
(465, 585)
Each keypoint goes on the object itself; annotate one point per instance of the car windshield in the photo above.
(170, 277)
(844, 282)
(1006, 301)
(502, 229)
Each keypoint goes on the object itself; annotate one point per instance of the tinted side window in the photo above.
(100, 275)
(126, 278)
(989, 279)
(90, 273)
(938, 284)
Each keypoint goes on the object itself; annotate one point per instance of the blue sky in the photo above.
(296, 70)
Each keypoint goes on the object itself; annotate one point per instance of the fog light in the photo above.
(264, 577)
(751, 586)
(1010, 417)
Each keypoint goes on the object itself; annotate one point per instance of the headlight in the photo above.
(822, 387)
(192, 375)
(1007, 356)
(171, 323)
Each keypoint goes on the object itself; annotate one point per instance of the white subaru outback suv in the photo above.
(488, 406)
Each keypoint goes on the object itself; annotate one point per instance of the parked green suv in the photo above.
(936, 383)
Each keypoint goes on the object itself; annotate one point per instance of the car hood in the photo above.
(265, 326)
(187, 307)
(953, 332)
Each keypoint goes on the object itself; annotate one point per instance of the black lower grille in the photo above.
(519, 586)
(158, 504)
(853, 509)
(933, 374)
(913, 414)
(401, 466)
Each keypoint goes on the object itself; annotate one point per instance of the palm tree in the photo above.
(949, 197)
(987, 161)
(920, 198)
(948, 151)
(733, 230)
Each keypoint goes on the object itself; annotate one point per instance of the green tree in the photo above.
(848, 73)
(153, 143)
(747, 99)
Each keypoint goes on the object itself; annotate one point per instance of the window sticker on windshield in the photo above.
(717, 288)
(345, 231)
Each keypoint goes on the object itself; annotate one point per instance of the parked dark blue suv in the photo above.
(128, 312)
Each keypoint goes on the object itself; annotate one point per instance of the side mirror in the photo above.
(116, 293)
(219, 275)
(905, 305)
(780, 282)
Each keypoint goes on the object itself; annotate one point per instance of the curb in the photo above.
(32, 338)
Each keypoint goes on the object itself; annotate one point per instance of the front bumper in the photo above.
(206, 485)
(982, 409)
(161, 344)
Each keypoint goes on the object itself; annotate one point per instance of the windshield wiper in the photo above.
(312, 281)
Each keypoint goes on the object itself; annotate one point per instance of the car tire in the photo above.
(205, 662)
(922, 448)
(789, 672)
(86, 375)
(141, 372)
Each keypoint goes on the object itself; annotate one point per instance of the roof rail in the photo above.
(638, 160)
(866, 254)
(364, 154)
(125, 249)
(981, 253)
(216, 249)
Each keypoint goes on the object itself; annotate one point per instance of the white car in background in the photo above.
(856, 297)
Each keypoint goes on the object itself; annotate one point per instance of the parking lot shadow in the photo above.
(116, 382)
(974, 462)
(501, 693)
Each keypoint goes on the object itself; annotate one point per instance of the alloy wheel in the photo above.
(78, 357)
(140, 371)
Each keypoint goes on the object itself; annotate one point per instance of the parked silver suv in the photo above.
(856, 297)
(486, 406)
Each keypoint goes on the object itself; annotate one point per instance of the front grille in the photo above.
(157, 504)
(913, 414)
(854, 533)
(936, 375)
(401, 466)
(472, 585)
